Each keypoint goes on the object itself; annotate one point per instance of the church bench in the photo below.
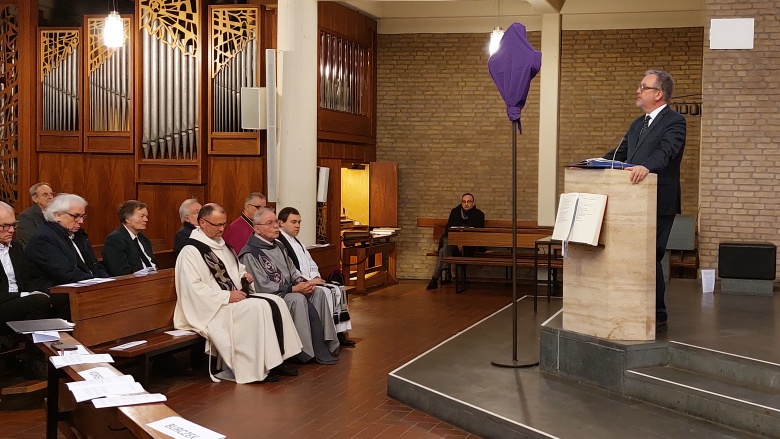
(82, 419)
(130, 308)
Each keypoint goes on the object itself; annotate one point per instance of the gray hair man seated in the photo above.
(275, 273)
(32, 217)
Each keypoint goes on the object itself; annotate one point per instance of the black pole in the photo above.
(514, 362)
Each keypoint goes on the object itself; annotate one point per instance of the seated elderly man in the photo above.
(60, 252)
(266, 259)
(32, 217)
(126, 250)
(188, 213)
(253, 334)
(16, 300)
(290, 224)
(239, 231)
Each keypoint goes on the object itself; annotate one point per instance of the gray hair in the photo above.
(254, 195)
(664, 82)
(61, 204)
(184, 209)
(260, 213)
(6, 206)
(34, 188)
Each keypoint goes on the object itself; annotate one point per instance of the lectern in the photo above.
(609, 290)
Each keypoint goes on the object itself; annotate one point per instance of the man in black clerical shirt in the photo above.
(188, 212)
(465, 215)
(126, 249)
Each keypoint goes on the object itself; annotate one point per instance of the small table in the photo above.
(553, 246)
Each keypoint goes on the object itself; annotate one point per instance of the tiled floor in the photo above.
(347, 400)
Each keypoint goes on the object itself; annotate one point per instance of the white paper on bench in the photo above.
(132, 344)
(119, 401)
(70, 360)
(179, 332)
(80, 350)
(181, 428)
(121, 379)
(107, 390)
(42, 336)
(97, 373)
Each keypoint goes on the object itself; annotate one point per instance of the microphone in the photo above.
(614, 154)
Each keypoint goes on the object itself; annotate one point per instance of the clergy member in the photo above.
(266, 259)
(127, 250)
(253, 335)
(239, 231)
(188, 213)
(290, 224)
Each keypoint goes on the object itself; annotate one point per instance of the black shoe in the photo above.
(344, 341)
(271, 378)
(284, 370)
(661, 326)
(446, 277)
(433, 284)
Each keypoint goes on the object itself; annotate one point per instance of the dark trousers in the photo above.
(31, 307)
(663, 229)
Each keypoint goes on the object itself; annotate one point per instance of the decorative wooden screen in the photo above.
(108, 90)
(170, 85)
(344, 65)
(234, 60)
(9, 104)
(59, 95)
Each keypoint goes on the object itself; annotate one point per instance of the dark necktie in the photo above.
(144, 259)
(645, 125)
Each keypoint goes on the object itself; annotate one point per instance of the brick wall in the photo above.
(741, 134)
(441, 118)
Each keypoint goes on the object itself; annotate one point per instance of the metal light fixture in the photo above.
(497, 34)
(113, 30)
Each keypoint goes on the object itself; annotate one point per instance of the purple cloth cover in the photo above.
(512, 68)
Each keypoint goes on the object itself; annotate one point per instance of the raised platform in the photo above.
(456, 383)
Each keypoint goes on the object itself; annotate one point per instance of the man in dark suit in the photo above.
(16, 303)
(32, 217)
(654, 143)
(126, 250)
(188, 213)
(60, 252)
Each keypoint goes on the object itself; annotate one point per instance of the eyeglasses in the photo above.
(216, 225)
(269, 223)
(7, 227)
(77, 217)
(643, 87)
(256, 206)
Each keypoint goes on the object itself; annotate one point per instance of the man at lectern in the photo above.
(654, 143)
(465, 215)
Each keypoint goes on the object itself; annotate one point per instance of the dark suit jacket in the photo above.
(121, 254)
(182, 237)
(54, 261)
(29, 220)
(659, 149)
(21, 271)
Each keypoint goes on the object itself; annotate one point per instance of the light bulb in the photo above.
(495, 40)
(114, 30)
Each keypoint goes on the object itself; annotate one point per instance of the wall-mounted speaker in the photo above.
(253, 108)
(323, 177)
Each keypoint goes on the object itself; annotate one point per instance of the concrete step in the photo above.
(719, 400)
(738, 369)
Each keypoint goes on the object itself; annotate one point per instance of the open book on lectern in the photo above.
(579, 218)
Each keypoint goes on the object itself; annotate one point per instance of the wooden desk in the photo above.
(89, 421)
(126, 306)
(372, 264)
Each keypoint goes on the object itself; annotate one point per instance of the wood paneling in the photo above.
(108, 143)
(27, 41)
(109, 182)
(355, 152)
(65, 172)
(383, 194)
(235, 144)
(169, 171)
(59, 141)
(231, 179)
(163, 202)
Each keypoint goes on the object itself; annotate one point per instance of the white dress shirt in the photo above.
(5, 258)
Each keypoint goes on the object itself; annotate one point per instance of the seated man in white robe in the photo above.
(266, 259)
(252, 334)
(290, 224)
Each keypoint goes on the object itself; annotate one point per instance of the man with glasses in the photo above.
(238, 232)
(253, 335)
(275, 273)
(188, 213)
(60, 252)
(465, 215)
(16, 300)
(654, 143)
(32, 217)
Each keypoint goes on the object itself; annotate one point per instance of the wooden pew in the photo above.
(65, 414)
(127, 309)
(498, 238)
